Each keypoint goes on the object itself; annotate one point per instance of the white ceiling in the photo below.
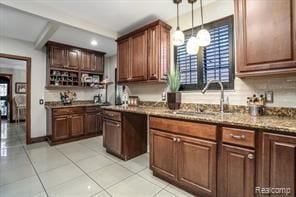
(18, 25)
(84, 20)
(77, 37)
(12, 64)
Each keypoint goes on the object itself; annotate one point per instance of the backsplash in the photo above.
(283, 87)
(82, 94)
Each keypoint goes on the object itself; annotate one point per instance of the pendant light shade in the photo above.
(203, 36)
(192, 43)
(192, 46)
(178, 36)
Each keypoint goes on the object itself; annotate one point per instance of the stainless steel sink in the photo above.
(196, 113)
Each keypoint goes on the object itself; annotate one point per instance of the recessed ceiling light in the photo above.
(94, 43)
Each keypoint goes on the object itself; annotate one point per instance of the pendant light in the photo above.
(192, 44)
(203, 36)
(178, 36)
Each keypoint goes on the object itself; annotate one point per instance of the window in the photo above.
(212, 62)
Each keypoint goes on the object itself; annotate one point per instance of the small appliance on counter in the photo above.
(256, 105)
(133, 100)
(67, 97)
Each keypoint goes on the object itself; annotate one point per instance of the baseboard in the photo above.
(38, 139)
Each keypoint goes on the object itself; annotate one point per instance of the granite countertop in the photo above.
(56, 106)
(267, 122)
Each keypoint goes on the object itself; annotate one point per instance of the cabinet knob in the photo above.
(174, 139)
(118, 125)
(178, 140)
(251, 156)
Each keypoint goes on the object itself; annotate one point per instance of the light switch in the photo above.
(41, 101)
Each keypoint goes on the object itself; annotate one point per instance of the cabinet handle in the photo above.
(174, 139)
(251, 156)
(178, 140)
(238, 137)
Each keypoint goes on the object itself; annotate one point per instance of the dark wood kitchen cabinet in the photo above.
(92, 62)
(124, 134)
(279, 162)
(138, 57)
(57, 56)
(266, 37)
(74, 58)
(60, 127)
(72, 123)
(144, 54)
(237, 171)
(184, 159)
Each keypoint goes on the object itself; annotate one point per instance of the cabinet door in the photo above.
(85, 61)
(58, 57)
(91, 125)
(99, 66)
(153, 52)
(163, 153)
(60, 128)
(77, 124)
(164, 52)
(74, 58)
(99, 122)
(237, 172)
(138, 61)
(279, 158)
(123, 59)
(113, 136)
(197, 165)
(265, 34)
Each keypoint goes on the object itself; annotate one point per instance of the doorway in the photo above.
(14, 89)
(5, 97)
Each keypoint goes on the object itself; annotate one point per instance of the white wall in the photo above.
(18, 75)
(284, 87)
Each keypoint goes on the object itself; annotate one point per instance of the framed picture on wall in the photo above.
(20, 88)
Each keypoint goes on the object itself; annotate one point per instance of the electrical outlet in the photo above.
(41, 101)
(269, 96)
(163, 96)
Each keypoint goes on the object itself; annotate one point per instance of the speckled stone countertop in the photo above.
(56, 105)
(267, 122)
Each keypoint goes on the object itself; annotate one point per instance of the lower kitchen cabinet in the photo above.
(124, 134)
(188, 162)
(72, 123)
(237, 171)
(163, 153)
(60, 129)
(76, 124)
(279, 162)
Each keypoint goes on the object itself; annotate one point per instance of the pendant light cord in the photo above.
(201, 12)
(178, 16)
(192, 18)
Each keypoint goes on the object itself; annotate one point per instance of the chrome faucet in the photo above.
(222, 93)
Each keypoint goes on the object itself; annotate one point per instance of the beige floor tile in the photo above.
(177, 191)
(135, 186)
(94, 163)
(76, 151)
(59, 175)
(164, 193)
(147, 174)
(136, 164)
(12, 175)
(77, 187)
(110, 175)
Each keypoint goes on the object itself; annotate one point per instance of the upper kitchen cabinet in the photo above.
(67, 64)
(92, 62)
(144, 53)
(266, 37)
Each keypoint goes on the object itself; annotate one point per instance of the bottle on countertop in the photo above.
(124, 96)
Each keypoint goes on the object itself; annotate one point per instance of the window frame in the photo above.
(200, 65)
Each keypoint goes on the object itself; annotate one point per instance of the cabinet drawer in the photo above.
(92, 109)
(184, 127)
(239, 137)
(113, 115)
(69, 110)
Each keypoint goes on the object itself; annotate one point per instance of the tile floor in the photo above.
(81, 168)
